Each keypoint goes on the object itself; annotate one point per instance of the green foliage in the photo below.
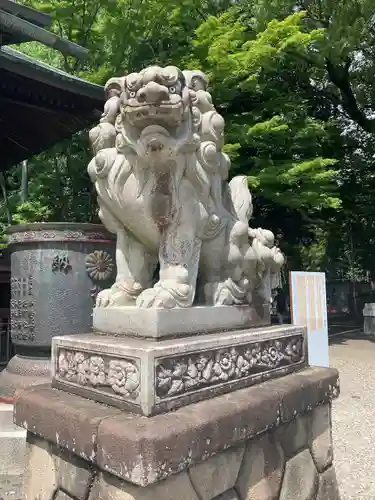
(58, 188)
(294, 81)
(31, 211)
(279, 143)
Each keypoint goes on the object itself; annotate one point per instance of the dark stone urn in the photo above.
(57, 269)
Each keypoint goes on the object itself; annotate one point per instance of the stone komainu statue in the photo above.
(161, 179)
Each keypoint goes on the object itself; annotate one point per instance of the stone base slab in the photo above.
(160, 323)
(150, 377)
(272, 440)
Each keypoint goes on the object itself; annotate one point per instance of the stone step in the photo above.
(11, 487)
(6, 418)
(12, 452)
(12, 443)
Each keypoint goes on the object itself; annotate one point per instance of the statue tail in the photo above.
(241, 200)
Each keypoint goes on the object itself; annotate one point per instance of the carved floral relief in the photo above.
(99, 265)
(175, 376)
(120, 376)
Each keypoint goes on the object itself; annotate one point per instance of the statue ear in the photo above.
(132, 82)
(114, 87)
(196, 80)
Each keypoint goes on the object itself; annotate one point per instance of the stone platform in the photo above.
(161, 323)
(270, 441)
(149, 377)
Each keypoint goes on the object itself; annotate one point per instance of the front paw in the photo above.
(156, 297)
(103, 298)
(114, 297)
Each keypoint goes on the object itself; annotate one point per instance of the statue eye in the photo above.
(172, 90)
(131, 94)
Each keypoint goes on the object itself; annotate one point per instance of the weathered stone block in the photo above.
(321, 437)
(225, 448)
(300, 478)
(61, 419)
(143, 451)
(74, 474)
(175, 487)
(41, 478)
(328, 487)
(294, 435)
(217, 474)
(147, 450)
(262, 469)
(304, 391)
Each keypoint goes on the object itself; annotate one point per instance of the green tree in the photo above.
(293, 80)
(273, 133)
(345, 62)
(342, 81)
(122, 37)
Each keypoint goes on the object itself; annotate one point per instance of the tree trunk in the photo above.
(24, 181)
(5, 197)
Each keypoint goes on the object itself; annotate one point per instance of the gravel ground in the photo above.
(354, 417)
(353, 422)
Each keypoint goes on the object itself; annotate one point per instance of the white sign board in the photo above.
(308, 306)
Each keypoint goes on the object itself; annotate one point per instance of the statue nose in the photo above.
(152, 93)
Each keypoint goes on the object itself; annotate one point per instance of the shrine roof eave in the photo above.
(41, 106)
(19, 63)
(14, 29)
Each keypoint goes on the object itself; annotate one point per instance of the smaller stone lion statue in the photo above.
(162, 183)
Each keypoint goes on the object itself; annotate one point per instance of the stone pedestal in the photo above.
(269, 441)
(56, 271)
(369, 319)
(251, 420)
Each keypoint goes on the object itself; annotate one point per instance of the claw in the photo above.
(113, 297)
(157, 297)
(102, 300)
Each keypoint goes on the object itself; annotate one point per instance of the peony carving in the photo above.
(96, 370)
(119, 376)
(123, 377)
(99, 265)
(175, 376)
(162, 183)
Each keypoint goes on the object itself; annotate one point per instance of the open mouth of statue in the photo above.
(165, 115)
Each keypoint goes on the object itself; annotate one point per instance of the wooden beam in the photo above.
(31, 32)
(33, 16)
